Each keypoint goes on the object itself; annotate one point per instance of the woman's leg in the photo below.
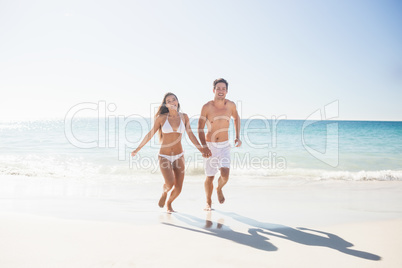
(178, 170)
(168, 175)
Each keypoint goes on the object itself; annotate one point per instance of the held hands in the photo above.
(206, 152)
(237, 142)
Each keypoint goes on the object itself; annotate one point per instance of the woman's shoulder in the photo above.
(184, 115)
(161, 118)
(162, 115)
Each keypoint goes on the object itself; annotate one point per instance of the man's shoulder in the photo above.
(230, 103)
(211, 103)
(208, 104)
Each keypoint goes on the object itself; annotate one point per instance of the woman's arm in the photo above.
(191, 134)
(149, 135)
(201, 124)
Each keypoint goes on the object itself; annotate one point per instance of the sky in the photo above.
(281, 58)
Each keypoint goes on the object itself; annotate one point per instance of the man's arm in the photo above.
(236, 118)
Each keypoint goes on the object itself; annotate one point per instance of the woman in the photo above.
(171, 125)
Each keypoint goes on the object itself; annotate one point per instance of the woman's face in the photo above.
(172, 102)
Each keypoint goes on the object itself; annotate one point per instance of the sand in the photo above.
(280, 223)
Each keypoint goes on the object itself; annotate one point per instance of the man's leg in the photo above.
(209, 187)
(223, 179)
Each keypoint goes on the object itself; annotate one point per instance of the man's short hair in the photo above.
(221, 80)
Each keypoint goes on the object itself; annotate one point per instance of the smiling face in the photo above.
(220, 91)
(172, 102)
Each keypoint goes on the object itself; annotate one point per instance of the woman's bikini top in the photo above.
(167, 128)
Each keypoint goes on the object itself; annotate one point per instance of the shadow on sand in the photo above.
(252, 239)
(258, 235)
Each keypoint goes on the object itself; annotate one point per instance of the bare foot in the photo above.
(221, 198)
(208, 207)
(170, 209)
(162, 200)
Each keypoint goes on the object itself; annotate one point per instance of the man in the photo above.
(216, 114)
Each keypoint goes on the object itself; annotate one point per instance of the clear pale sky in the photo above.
(280, 57)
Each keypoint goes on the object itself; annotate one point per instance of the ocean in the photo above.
(99, 149)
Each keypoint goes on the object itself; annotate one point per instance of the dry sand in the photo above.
(279, 224)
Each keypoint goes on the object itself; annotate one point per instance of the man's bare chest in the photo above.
(216, 114)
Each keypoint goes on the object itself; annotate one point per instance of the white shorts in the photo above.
(220, 157)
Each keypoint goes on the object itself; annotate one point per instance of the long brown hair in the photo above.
(164, 110)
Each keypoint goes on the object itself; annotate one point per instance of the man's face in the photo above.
(220, 90)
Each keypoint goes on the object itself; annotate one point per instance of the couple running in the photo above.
(215, 147)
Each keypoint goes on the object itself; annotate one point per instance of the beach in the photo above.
(302, 96)
(324, 195)
(266, 223)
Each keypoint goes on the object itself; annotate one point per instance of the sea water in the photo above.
(99, 149)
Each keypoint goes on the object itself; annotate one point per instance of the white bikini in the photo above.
(166, 129)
